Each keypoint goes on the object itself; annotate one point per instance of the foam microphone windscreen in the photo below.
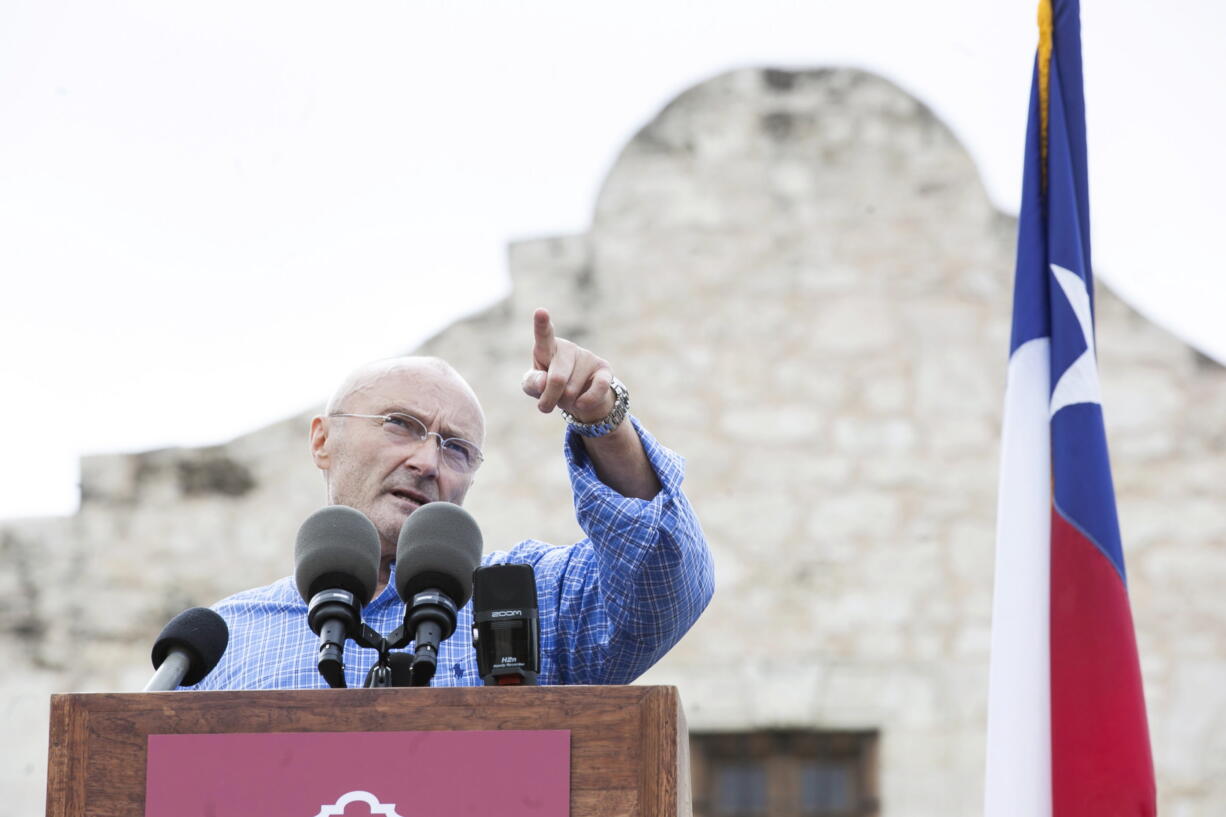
(199, 632)
(440, 547)
(337, 547)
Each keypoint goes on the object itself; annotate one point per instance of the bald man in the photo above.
(400, 433)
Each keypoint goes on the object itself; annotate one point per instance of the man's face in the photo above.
(386, 476)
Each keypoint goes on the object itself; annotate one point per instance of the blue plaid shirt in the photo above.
(610, 606)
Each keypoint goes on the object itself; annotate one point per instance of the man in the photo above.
(407, 431)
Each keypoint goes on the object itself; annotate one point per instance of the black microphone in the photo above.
(439, 547)
(187, 649)
(506, 625)
(397, 672)
(336, 568)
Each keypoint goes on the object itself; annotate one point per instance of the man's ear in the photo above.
(319, 443)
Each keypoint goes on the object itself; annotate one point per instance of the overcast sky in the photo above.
(210, 211)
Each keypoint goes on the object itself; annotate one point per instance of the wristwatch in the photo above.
(621, 407)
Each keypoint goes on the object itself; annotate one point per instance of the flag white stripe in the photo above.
(1018, 779)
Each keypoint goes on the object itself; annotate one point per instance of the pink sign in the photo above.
(359, 774)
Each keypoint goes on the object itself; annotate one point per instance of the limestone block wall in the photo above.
(803, 283)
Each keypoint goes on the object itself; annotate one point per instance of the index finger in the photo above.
(546, 344)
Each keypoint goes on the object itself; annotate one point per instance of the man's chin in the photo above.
(392, 511)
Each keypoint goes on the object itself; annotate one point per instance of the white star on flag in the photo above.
(1079, 383)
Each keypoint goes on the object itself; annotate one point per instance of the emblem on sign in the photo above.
(337, 809)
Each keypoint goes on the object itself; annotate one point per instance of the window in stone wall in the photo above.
(784, 774)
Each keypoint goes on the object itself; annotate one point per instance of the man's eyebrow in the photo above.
(448, 432)
(396, 408)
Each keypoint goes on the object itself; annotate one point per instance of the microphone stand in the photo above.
(429, 619)
(381, 672)
(432, 616)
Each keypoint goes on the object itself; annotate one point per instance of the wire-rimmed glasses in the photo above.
(458, 455)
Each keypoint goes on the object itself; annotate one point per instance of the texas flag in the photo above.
(1067, 733)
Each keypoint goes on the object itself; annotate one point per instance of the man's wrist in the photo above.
(607, 424)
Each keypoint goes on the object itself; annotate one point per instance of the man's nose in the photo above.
(424, 458)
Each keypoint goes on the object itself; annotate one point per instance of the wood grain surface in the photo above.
(628, 743)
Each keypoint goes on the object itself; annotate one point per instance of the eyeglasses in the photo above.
(458, 455)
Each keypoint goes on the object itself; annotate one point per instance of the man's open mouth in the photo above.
(411, 496)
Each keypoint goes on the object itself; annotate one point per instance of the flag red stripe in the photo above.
(1101, 765)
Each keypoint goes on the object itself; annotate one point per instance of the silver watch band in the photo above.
(621, 407)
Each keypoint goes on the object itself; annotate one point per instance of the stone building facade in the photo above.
(801, 279)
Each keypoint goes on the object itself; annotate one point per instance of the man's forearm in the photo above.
(645, 567)
(621, 463)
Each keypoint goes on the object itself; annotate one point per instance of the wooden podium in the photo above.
(628, 744)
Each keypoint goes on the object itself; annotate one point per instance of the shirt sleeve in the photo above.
(627, 593)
